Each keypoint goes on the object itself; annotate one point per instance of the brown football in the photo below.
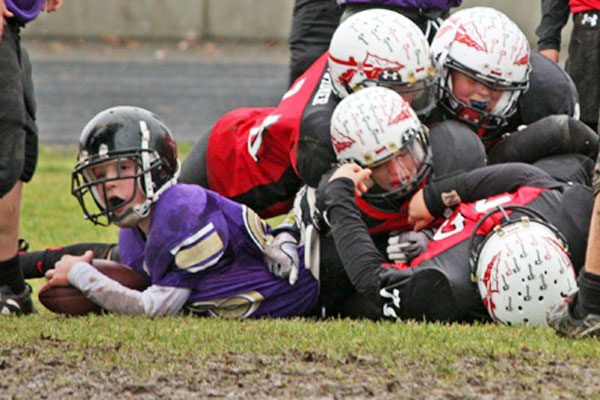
(69, 300)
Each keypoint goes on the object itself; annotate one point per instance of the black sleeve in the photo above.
(555, 14)
(361, 259)
(314, 153)
(482, 183)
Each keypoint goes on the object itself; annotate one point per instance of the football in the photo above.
(69, 300)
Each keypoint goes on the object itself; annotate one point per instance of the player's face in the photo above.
(119, 183)
(396, 172)
(474, 93)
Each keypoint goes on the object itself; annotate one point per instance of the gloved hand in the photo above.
(281, 256)
(406, 246)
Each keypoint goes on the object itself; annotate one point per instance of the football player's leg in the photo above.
(568, 168)
(313, 24)
(455, 297)
(335, 286)
(455, 147)
(553, 135)
(583, 65)
(579, 315)
(35, 264)
(15, 79)
(356, 305)
(193, 168)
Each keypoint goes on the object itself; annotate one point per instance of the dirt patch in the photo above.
(56, 370)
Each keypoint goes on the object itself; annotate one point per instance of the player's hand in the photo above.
(59, 275)
(360, 176)
(551, 54)
(281, 257)
(406, 246)
(4, 13)
(52, 5)
(418, 214)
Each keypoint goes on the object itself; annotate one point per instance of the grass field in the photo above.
(97, 357)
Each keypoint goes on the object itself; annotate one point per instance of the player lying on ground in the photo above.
(493, 105)
(437, 284)
(250, 154)
(200, 252)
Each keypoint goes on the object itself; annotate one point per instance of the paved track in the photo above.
(189, 95)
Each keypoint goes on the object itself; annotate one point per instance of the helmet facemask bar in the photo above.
(421, 94)
(473, 116)
(91, 192)
(417, 150)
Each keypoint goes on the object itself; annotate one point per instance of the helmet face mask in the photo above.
(90, 188)
(420, 94)
(413, 166)
(485, 45)
(376, 128)
(142, 155)
(522, 268)
(379, 47)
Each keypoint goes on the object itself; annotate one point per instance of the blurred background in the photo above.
(188, 60)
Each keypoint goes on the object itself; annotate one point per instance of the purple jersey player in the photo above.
(200, 251)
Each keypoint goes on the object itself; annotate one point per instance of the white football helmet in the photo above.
(379, 47)
(487, 46)
(522, 268)
(373, 125)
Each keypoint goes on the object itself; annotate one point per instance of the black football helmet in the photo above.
(116, 134)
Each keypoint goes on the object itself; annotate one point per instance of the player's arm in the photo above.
(314, 155)
(360, 257)
(555, 14)
(110, 294)
(449, 191)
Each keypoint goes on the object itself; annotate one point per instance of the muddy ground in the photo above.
(50, 371)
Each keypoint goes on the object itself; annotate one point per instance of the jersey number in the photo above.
(255, 137)
(458, 222)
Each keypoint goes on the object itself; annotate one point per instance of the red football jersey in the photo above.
(248, 154)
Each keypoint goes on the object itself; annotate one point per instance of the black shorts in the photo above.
(193, 168)
(583, 64)
(313, 25)
(18, 130)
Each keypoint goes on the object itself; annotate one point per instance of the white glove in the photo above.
(406, 246)
(281, 256)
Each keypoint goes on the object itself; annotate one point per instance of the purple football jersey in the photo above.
(25, 10)
(438, 4)
(204, 242)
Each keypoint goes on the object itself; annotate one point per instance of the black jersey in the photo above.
(437, 284)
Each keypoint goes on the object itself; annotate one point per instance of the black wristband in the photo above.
(433, 190)
(291, 229)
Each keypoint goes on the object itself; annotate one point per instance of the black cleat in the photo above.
(16, 304)
(561, 319)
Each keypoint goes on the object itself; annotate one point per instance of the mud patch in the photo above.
(56, 370)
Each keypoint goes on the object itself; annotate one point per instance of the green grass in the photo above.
(268, 358)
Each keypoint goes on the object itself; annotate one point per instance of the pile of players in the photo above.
(447, 182)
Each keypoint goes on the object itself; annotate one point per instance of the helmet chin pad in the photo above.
(128, 219)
